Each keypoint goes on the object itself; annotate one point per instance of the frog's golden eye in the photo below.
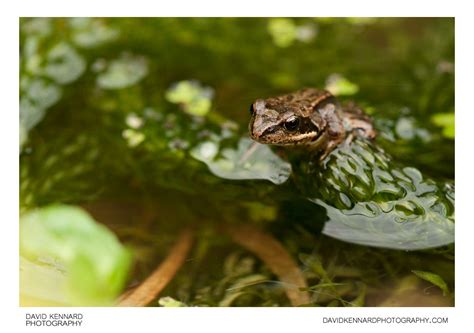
(292, 124)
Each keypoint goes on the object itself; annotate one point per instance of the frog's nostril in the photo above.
(253, 132)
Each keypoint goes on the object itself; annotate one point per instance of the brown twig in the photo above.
(149, 289)
(275, 256)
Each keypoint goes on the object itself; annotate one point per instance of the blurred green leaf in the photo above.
(43, 284)
(362, 20)
(40, 26)
(338, 85)
(283, 31)
(195, 98)
(360, 299)
(89, 262)
(63, 64)
(446, 121)
(123, 72)
(90, 32)
(133, 137)
(306, 33)
(170, 302)
(38, 95)
(434, 279)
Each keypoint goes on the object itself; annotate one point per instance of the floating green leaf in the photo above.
(249, 161)
(64, 64)
(91, 32)
(370, 201)
(195, 98)
(406, 128)
(44, 70)
(40, 26)
(37, 96)
(123, 72)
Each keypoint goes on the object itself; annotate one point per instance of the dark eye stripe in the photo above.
(270, 130)
(318, 135)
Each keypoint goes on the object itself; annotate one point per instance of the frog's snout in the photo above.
(253, 132)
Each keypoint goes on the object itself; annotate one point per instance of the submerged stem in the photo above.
(275, 256)
(159, 279)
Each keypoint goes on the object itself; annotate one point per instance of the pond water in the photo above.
(143, 123)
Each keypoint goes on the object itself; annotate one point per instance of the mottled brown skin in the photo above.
(311, 118)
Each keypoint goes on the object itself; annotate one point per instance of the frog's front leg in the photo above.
(334, 130)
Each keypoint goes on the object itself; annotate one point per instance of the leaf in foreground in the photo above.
(88, 262)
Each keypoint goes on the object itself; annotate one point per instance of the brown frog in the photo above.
(310, 118)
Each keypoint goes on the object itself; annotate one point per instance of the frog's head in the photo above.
(285, 121)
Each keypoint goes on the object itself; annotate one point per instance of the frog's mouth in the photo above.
(275, 135)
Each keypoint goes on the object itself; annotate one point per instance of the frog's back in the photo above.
(359, 122)
(356, 121)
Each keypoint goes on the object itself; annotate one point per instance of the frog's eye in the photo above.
(292, 124)
(251, 108)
